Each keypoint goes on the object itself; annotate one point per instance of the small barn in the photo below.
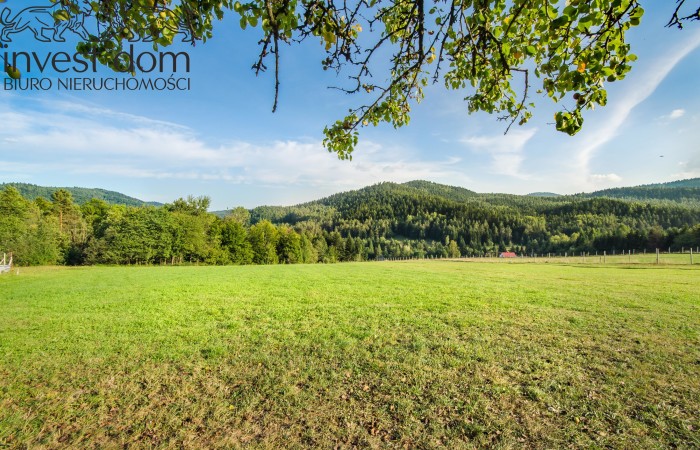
(507, 255)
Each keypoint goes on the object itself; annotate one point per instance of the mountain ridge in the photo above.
(645, 193)
(683, 191)
(80, 195)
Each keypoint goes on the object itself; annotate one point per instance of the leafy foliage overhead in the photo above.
(491, 51)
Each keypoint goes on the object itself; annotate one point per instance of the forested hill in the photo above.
(417, 219)
(373, 201)
(689, 183)
(543, 194)
(677, 191)
(415, 199)
(449, 192)
(410, 201)
(80, 195)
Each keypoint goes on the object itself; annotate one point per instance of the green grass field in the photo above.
(413, 354)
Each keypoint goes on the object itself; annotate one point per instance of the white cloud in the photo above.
(620, 109)
(687, 174)
(605, 178)
(506, 150)
(78, 140)
(689, 169)
(677, 114)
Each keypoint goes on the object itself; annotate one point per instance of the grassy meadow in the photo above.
(414, 354)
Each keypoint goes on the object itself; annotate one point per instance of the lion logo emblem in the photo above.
(40, 21)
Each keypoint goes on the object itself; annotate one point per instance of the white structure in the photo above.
(6, 266)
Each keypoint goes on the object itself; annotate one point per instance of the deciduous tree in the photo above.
(493, 52)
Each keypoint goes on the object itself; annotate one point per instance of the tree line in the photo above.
(382, 221)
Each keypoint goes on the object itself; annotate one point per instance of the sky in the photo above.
(220, 138)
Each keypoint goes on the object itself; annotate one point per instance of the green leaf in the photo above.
(560, 21)
(13, 72)
(61, 15)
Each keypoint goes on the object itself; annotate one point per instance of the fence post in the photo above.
(657, 256)
(605, 253)
(691, 256)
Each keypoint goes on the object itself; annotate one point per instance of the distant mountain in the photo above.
(689, 183)
(221, 213)
(387, 200)
(396, 219)
(80, 195)
(685, 191)
(543, 194)
(367, 201)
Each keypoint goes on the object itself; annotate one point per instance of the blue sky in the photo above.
(220, 139)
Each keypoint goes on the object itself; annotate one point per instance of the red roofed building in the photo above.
(507, 255)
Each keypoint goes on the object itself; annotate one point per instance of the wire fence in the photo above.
(684, 257)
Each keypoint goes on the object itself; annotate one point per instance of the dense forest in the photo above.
(679, 194)
(387, 220)
(690, 182)
(685, 191)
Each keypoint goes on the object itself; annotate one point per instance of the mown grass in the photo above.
(397, 354)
